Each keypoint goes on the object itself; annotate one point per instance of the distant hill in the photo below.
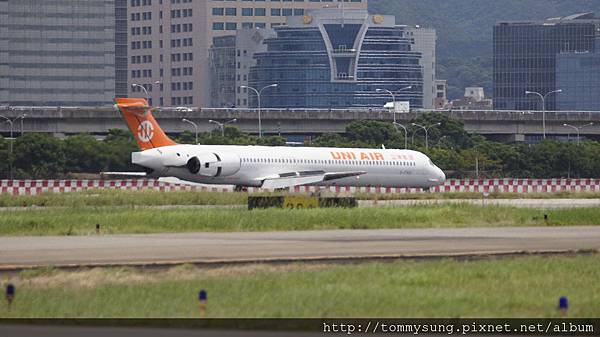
(464, 29)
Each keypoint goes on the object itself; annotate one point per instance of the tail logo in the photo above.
(145, 131)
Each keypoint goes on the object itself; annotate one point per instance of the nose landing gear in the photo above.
(239, 188)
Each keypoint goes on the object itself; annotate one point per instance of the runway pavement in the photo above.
(18, 252)
(525, 203)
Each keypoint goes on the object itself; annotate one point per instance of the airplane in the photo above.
(271, 167)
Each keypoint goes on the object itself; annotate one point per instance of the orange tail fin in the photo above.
(142, 124)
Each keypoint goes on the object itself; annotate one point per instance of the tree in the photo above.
(83, 153)
(452, 129)
(331, 140)
(39, 156)
(186, 137)
(370, 133)
(5, 158)
(272, 141)
(119, 145)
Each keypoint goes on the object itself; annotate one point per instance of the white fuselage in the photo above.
(250, 165)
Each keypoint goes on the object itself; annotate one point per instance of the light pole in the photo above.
(222, 125)
(22, 119)
(577, 128)
(426, 133)
(543, 97)
(11, 123)
(12, 139)
(143, 88)
(158, 83)
(195, 127)
(258, 93)
(393, 97)
(405, 134)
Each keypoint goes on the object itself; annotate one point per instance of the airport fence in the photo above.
(32, 187)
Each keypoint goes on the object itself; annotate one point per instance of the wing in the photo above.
(290, 179)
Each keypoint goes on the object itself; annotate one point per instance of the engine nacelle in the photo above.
(214, 164)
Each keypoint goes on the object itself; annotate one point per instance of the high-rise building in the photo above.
(526, 53)
(121, 47)
(57, 53)
(424, 41)
(231, 57)
(578, 76)
(332, 58)
(169, 40)
(441, 99)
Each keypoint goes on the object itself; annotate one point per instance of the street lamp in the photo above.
(258, 93)
(195, 127)
(143, 88)
(405, 134)
(577, 128)
(12, 139)
(426, 129)
(158, 83)
(222, 125)
(543, 97)
(393, 97)
(11, 123)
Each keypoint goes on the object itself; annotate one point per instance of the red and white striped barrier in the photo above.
(33, 187)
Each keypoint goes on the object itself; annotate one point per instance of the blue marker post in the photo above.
(202, 298)
(563, 305)
(10, 294)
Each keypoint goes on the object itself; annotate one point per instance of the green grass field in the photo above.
(154, 198)
(119, 220)
(510, 287)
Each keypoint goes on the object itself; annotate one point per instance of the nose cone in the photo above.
(441, 176)
(436, 176)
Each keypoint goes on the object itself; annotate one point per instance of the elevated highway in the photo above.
(504, 125)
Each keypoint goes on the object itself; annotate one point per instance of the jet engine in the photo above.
(214, 164)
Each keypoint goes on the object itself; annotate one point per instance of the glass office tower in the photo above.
(525, 57)
(332, 58)
(578, 76)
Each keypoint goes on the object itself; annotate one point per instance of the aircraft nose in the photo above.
(437, 176)
(441, 175)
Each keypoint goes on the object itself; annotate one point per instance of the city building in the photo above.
(332, 57)
(231, 58)
(474, 99)
(475, 93)
(578, 76)
(222, 64)
(59, 53)
(424, 41)
(121, 47)
(169, 41)
(441, 97)
(526, 56)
